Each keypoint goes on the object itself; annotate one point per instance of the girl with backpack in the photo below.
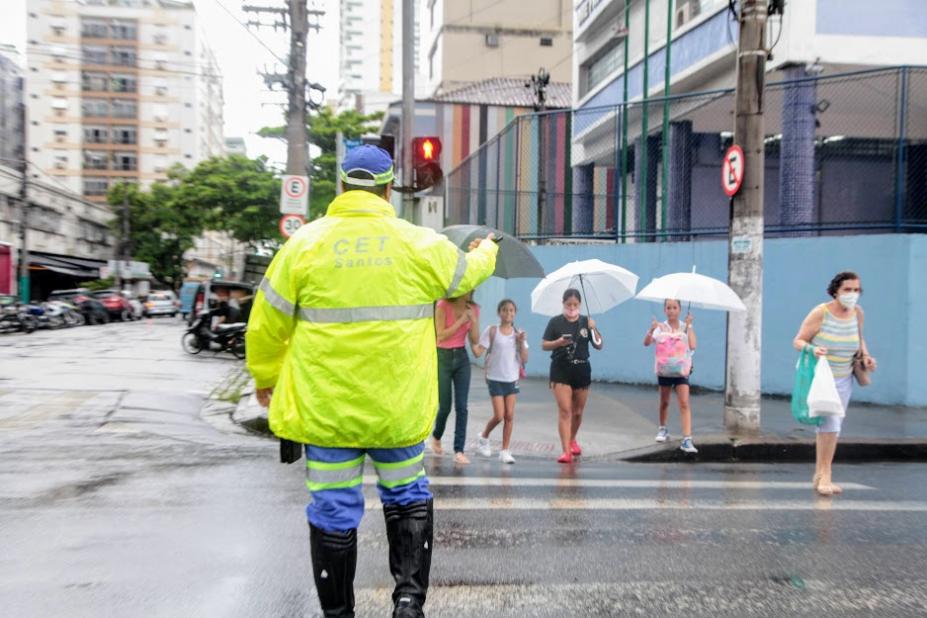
(506, 355)
(675, 343)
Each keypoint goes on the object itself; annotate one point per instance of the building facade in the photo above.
(12, 132)
(370, 35)
(844, 144)
(69, 238)
(119, 92)
(464, 42)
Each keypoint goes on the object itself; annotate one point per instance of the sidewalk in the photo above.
(620, 422)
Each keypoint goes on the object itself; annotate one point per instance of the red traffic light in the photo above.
(426, 149)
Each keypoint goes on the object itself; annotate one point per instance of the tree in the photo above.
(323, 133)
(235, 194)
(161, 229)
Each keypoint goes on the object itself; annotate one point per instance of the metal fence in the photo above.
(844, 154)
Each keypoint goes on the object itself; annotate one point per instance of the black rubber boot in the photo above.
(409, 528)
(334, 561)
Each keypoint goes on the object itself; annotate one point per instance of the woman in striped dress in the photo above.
(834, 331)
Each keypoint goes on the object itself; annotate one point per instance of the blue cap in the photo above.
(373, 161)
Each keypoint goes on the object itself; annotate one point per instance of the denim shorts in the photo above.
(502, 389)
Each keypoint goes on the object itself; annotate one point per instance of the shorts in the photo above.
(575, 374)
(673, 381)
(833, 424)
(502, 389)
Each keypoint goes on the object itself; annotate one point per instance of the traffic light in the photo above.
(426, 162)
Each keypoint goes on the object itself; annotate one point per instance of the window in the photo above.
(160, 39)
(547, 41)
(125, 161)
(492, 39)
(58, 103)
(161, 91)
(124, 29)
(96, 135)
(601, 67)
(94, 55)
(124, 56)
(58, 30)
(94, 82)
(95, 186)
(61, 135)
(123, 108)
(94, 28)
(95, 160)
(125, 135)
(61, 162)
(124, 83)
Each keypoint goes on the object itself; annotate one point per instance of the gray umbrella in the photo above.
(515, 259)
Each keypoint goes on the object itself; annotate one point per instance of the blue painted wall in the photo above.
(797, 271)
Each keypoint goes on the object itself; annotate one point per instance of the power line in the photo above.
(250, 32)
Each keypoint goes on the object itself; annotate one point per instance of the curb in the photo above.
(777, 449)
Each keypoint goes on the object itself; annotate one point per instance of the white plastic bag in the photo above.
(823, 398)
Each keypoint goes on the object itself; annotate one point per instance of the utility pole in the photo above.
(745, 256)
(24, 257)
(296, 18)
(296, 151)
(122, 252)
(408, 104)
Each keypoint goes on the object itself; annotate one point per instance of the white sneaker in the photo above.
(687, 445)
(662, 435)
(506, 457)
(482, 447)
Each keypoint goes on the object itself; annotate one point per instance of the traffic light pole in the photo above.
(408, 104)
(745, 256)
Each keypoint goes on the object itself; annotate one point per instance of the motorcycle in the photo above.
(68, 314)
(225, 337)
(17, 318)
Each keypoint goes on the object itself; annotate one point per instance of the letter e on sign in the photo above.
(290, 223)
(294, 195)
(732, 170)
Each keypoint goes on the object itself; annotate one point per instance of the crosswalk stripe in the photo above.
(648, 504)
(490, 481)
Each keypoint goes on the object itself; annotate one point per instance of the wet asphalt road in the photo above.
(119, 496)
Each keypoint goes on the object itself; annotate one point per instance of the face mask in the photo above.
(571, 314)
(848, 300)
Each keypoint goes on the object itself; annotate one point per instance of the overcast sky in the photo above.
(240, 56)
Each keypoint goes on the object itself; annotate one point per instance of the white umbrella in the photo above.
(698, 290)
(602, 285)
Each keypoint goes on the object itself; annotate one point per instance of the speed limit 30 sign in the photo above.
(732, 170)
(290, 223)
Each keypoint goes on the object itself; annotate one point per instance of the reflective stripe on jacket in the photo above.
(343, 325)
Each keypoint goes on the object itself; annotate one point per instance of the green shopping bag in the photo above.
(804, 375)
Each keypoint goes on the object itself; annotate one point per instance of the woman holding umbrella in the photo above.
(567, 338)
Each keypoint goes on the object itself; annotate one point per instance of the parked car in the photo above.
(136, 305)
(116, 304)
(161, 302)
(92, 309)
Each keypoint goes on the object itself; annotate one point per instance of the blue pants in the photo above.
(335, 476)
(453, 369)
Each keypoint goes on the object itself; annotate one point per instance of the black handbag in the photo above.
(290, 451)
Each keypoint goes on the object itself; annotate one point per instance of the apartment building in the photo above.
(119, 90)
(370, 33)
(11, 107)
(466, 42)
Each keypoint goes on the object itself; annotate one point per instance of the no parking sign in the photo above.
(294, 195)
(732, 170)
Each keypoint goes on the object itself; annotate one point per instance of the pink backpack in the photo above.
(673, 358)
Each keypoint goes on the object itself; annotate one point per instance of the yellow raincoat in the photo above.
(343, 325)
